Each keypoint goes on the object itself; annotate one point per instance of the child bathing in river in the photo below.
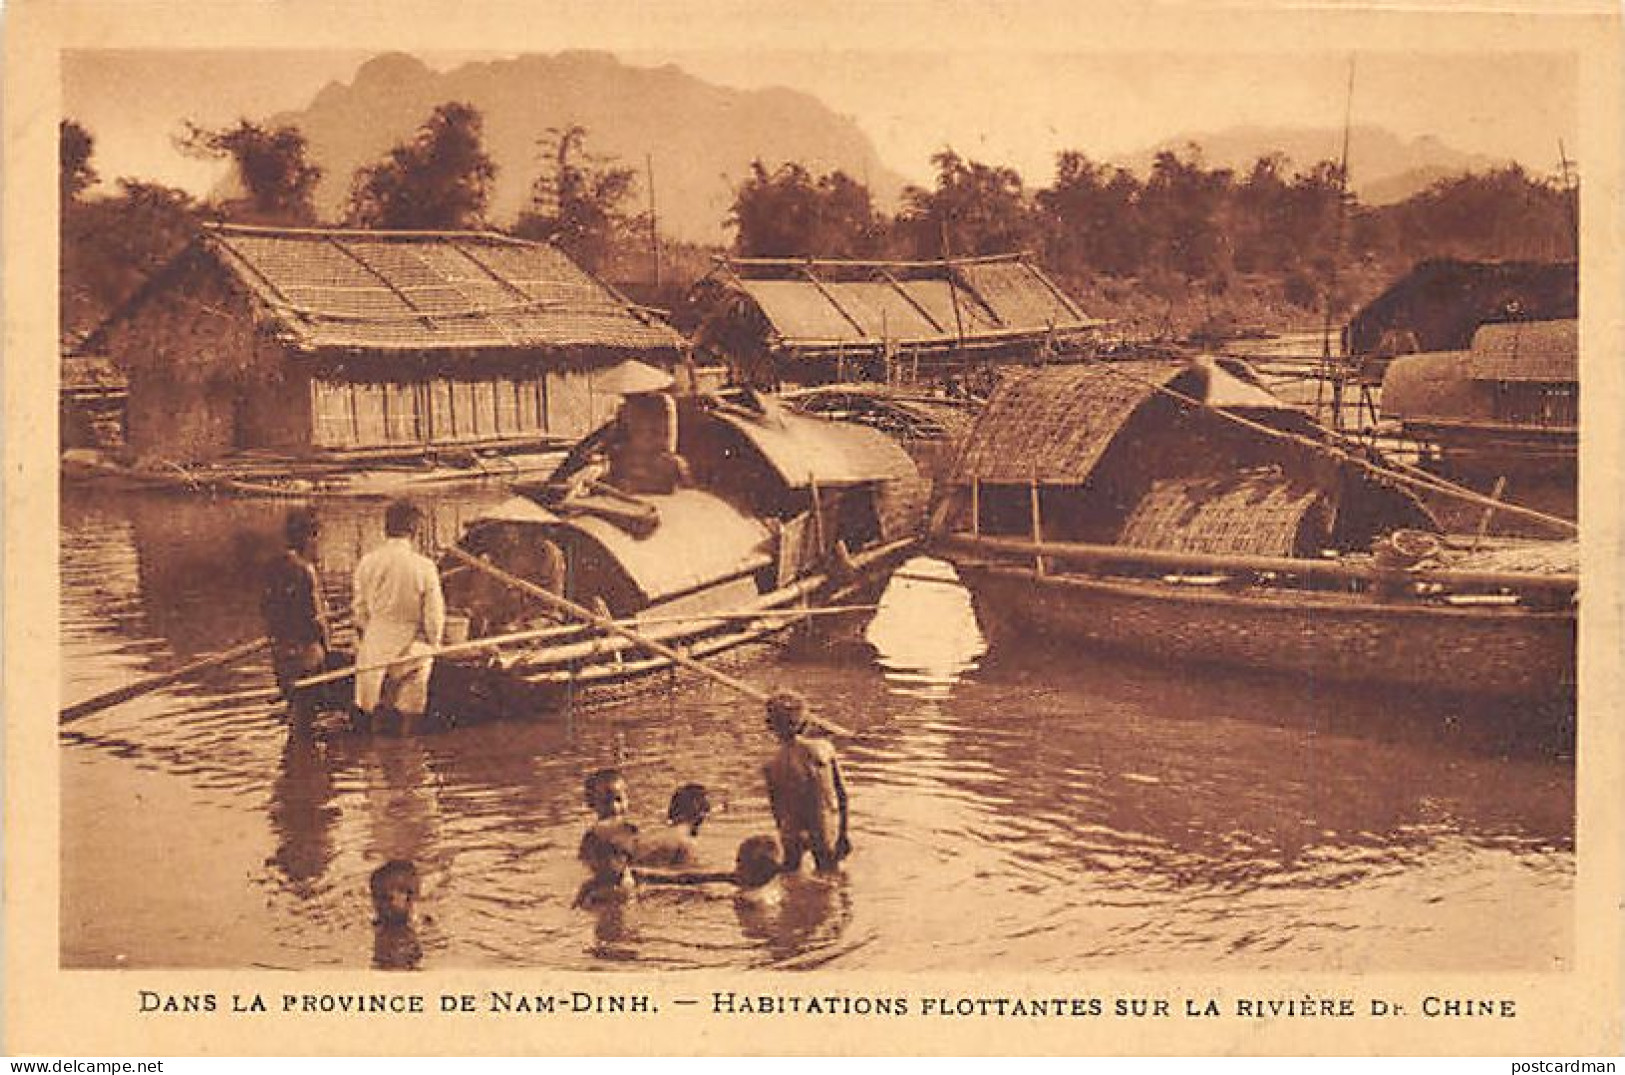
(395, 888)
(755, 875)
(805, 788)
(608, 851)
(678, 844)
(606, 796)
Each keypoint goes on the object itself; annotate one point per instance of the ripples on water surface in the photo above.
(1011, 811)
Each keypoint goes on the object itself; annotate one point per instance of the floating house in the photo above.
(1506, 407)
(330, 344)
(1183, 514)
(813, 321)
(1133, 454)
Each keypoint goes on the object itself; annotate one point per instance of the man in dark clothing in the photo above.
(296, 613)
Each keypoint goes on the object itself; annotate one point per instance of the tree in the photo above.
(976, 209)
(112, 245)
(441, 179)
(788, 213)
(1184, 207)
(270, 165)
(76, 146)
(1090, 217)
(578, 201)
(1502, 213)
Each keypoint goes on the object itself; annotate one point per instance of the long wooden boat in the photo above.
(1457, 632)
(1178, 511)
(277, 477)
(763, 521)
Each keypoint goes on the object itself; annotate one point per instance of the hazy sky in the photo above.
(1009, 109)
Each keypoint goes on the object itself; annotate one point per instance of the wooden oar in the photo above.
(750, 690)
(147, 686)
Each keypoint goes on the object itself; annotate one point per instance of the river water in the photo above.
(1012, 811)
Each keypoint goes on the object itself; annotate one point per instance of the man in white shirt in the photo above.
(399, 612)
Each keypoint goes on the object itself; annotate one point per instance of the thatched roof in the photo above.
(803, 449)
(1053, 424)
(701, 538)
(1432, 385)
(1442, 301)
(816, 305)
(328, 289)
(1526, 351)
(1256, 514)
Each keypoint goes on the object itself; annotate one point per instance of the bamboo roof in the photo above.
(1258, 513)
(1054, 423)
(803, 450)
(415, 291)
(1526, 351)
(816, 305)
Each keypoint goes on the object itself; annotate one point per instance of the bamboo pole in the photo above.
(976, 506)
(1161, 560)
(818, 513)
(1038, 521)
(1489, 513)
(135, 690)
(750, 690)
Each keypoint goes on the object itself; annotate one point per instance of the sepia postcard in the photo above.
(905, 528)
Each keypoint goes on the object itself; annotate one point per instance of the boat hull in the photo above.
(605, 670)
(1318, 635)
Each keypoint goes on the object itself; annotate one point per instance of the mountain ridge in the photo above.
(700, 137)
(1384, 167)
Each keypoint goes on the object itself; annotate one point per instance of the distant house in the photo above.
(1509, 405)
(1440, 303)
(809, 321)
(309, 342)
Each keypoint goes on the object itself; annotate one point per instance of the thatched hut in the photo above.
(1441, 302)
(1132, 453)
(1507, 408)
(335, 344)
(812, 321)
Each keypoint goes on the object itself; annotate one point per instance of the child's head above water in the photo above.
(606, 793)
(786, 714)
(758, 861)
(690, 806)
(394, 888)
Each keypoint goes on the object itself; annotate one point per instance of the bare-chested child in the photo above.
(608, 853)
(606, 796)
(676, 845)
(755, 875)
(805, 788)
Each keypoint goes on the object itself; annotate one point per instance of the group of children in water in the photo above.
(805, 789)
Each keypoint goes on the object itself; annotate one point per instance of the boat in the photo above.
(268, 475)
(1180, 511)
(1504, 411)
(689, 528)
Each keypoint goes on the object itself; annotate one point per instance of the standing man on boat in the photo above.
(296, 614)
(400, 612)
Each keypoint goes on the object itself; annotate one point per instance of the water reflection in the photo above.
(1013, 810)
(925, 633)
(302, 813)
